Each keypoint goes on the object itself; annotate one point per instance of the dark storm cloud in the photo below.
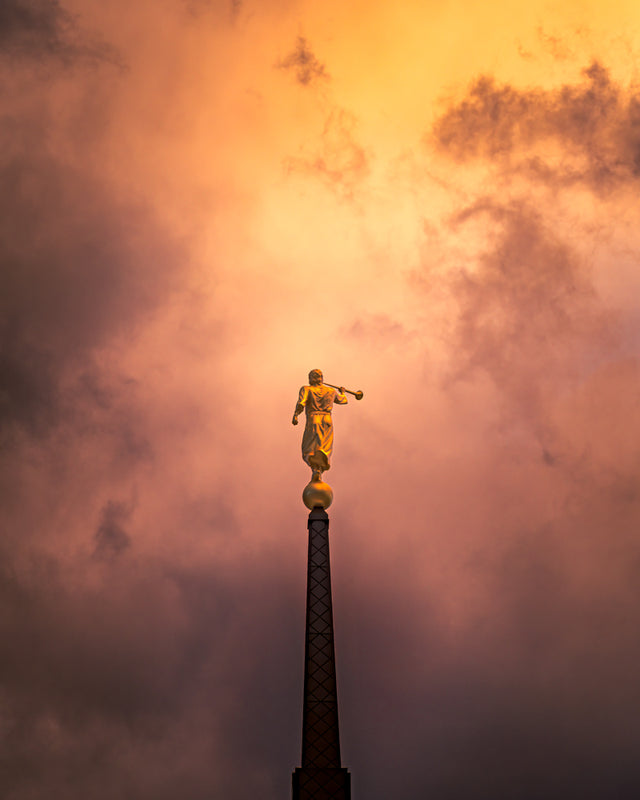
(119, 656)
(42, 29)
(77, 268)
(102, 689)
(535, 697)
(111, 537)
(32, 27)
(304, 64)
(585, 133)
(77, 264)
(534, 694)
(82, 269)
(527, 312)
(550, 712)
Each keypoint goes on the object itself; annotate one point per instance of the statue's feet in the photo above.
(317, 476)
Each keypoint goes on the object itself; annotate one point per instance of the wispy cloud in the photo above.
(304, 64)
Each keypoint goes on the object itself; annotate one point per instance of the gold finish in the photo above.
(358, 395)
(317, 493)
(316, 399)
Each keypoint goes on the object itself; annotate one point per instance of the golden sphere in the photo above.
(317, 493)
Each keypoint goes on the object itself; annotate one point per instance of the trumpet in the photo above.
(358, 395)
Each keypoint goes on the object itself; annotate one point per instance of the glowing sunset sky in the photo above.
(436, 203)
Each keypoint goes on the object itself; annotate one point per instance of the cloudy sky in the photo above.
(434, 202)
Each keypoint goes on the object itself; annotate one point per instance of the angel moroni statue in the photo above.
(316, 399)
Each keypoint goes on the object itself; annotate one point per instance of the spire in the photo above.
(321, 776)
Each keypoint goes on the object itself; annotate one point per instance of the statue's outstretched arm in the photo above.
(341, 398)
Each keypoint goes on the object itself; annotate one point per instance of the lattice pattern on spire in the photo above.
(321, 776)
(322, 784)
(320, 736)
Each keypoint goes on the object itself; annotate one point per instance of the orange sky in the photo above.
(435, 203)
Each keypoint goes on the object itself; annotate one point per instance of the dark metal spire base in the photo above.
(321, 784)
(321, 777)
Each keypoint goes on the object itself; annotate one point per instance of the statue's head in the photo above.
(315, 377)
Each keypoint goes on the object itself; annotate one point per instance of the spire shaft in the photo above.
(321, 776)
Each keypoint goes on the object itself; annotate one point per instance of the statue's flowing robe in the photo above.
(317, 439)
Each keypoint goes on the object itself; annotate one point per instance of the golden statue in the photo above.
(317, 399)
